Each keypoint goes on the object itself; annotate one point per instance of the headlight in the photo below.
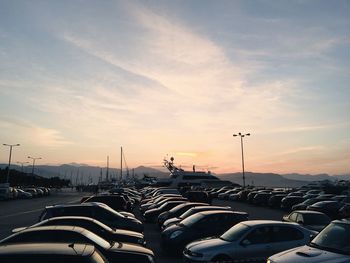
(192, 253)
(175, 234)
(270, 261)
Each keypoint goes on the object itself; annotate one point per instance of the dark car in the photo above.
(100, 229)
(198, 196)
(192, 211)
(330, 208)
(312, 220)
(344, 211)
(177, 211)
(113, 251)
(306, 203)
(275, 200)
(104, 214)
(200, 225)
(251, 195)
(152, 214)
(115, 202)
(261, 198)
(160, 202)
(50, 252)
(288, 201)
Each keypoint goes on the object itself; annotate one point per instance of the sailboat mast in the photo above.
(121, 163)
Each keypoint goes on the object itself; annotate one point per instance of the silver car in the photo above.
(253, 240)
(331, 245)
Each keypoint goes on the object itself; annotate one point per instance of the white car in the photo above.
(331, 245)
(253, 240)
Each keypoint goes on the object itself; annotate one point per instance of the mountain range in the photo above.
(82, 173)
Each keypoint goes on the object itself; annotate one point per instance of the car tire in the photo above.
(221, 259)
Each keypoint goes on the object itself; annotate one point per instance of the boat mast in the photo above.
(121, 163)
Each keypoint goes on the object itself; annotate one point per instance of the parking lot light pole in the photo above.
(8, 171)
(34, 159)
(242, 136)
(22, 163)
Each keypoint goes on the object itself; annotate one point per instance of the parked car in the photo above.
(4, 193)
(114, 252)
(200, 225)
(288, 201)
(177, 211)
(115, 202)
(330, 208)
(275, 200)
(303, 205)
(344, 211)
(95, 226)
(312, 220)
(50, 252)
(151, 215)
(104, 214)
(192, 211)
(261, 198)
(198, 196)
(331, 245)
(248, 241)
(24, 195)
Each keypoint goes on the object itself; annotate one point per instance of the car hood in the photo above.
(206, 244)
(308, 254)
(171, 221)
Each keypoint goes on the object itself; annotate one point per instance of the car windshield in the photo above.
(191, 220)
(191, 212)
(235, 232)
(112, 210)
(309, 201)
(177, 208)
(316, 219)
(335, 238)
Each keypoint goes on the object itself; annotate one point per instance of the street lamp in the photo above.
(34, 158)
(242, 135)
(22, 163)
(11, 146)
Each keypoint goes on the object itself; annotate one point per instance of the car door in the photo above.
(256, 245)
(286, 237)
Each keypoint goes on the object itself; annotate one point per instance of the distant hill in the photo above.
(262, 179)
(84, 173)
(309, 177)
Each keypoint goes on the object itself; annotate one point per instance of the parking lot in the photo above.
(152, 232)
(18, 213)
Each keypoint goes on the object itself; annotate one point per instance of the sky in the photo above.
(81, 78)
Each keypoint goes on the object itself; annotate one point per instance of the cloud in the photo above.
(34, 134)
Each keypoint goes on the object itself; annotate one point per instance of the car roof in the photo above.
(308, 212)
(68, 228)
(342, 221)
(47, 248)
(73, 205)
(210, 212)
(210, 207)
(252, 223)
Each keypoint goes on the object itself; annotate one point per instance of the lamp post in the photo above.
(242, 136)
(22, 163)
(11, 146)
(34, 159)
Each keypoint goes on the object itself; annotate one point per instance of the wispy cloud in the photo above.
(32, 133)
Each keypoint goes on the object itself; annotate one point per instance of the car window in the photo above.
(293, 217)
(300, 218)
(286, 233)
(260, 235)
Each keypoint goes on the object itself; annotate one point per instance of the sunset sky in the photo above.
(80, 78)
